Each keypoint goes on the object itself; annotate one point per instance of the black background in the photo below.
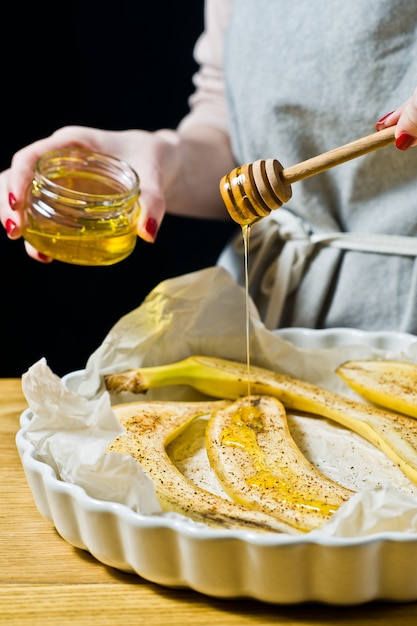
(117, 66)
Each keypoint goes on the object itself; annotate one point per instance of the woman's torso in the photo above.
(308, 77)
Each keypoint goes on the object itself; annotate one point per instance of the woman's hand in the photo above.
(146, 152)
(178, 172)
(405, 117)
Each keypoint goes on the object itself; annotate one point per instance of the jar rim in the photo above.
(80, 158)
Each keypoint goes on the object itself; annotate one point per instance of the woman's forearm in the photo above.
(203, 155)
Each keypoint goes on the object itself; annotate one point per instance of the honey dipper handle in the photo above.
(325, 161)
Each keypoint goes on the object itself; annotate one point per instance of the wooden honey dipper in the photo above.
(252, 191)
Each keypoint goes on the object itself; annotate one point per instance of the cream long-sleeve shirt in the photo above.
(208, 103)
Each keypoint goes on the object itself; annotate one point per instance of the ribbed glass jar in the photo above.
(82, 207)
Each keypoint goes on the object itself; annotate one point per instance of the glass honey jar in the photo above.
(82, 207)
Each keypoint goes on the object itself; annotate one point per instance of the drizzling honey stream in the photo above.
(246, 239)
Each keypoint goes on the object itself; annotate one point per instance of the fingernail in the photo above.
(382, 120)
(151, 227)
(10, 227)
(12, 200)
(404, 141)
(43, 257)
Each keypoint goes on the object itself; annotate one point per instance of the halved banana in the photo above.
(259, 465)
(394, 434)
(150, 427)
(391, 384)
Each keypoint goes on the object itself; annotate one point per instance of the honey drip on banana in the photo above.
(276, 480)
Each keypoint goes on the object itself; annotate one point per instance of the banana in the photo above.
(149, 428)
(252, 452)
(391, 384)
(394, 434)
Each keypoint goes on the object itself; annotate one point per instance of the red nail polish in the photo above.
(43, 257)
(10, 227)
(404, 141)
(12, 200)
(380, 121)
(151, 227)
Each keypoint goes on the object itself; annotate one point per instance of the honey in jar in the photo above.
(82, 207)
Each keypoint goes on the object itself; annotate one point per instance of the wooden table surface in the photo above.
(45, 581)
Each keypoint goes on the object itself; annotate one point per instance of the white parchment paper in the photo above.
(204, 313)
